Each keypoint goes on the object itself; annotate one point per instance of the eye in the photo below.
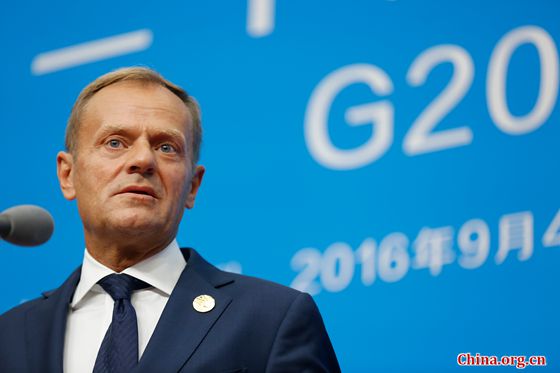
(114, 143)
(168, 148)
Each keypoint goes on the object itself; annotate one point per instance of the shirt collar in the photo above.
(162, 271)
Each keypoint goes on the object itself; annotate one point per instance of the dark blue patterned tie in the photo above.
(119, 349)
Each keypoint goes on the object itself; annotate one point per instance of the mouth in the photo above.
(139, 190)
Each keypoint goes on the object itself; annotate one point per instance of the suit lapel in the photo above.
(181, 328)
(45, 326)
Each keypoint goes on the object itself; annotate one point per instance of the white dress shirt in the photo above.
(91, 309)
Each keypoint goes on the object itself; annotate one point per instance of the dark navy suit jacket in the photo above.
(256, 326)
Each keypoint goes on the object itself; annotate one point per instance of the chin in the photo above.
(137, 223)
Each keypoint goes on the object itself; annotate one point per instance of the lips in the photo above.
(140, 190)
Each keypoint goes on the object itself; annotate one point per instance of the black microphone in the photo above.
(26, 225)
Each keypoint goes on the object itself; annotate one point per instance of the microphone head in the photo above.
(30, 225)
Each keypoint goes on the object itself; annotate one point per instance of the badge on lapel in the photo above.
(203, 303)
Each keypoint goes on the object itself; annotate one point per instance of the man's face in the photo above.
(131, 173)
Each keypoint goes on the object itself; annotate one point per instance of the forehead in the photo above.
(135, 103)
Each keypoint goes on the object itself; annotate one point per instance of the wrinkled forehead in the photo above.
(139, 94)
(134, 103)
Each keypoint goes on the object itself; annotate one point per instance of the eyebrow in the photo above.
(111, 129)
(122, 130)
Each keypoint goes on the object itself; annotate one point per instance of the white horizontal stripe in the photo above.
(91, 51)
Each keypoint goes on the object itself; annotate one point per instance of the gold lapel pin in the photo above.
(203, 303)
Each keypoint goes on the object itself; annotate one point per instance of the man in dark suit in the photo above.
(139, 303)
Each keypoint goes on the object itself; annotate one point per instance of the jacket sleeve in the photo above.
(13, 357)
(302, 343)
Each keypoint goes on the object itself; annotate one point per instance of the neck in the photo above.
(119, 256)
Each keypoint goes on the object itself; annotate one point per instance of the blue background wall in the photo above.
(429, 244)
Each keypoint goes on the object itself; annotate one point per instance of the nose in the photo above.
(141, 159)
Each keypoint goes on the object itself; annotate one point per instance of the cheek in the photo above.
(91, 181)
(180, 185)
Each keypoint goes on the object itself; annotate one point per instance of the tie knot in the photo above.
(121, 286)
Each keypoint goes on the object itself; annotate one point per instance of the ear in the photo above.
(195, 184)
(64, 167)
